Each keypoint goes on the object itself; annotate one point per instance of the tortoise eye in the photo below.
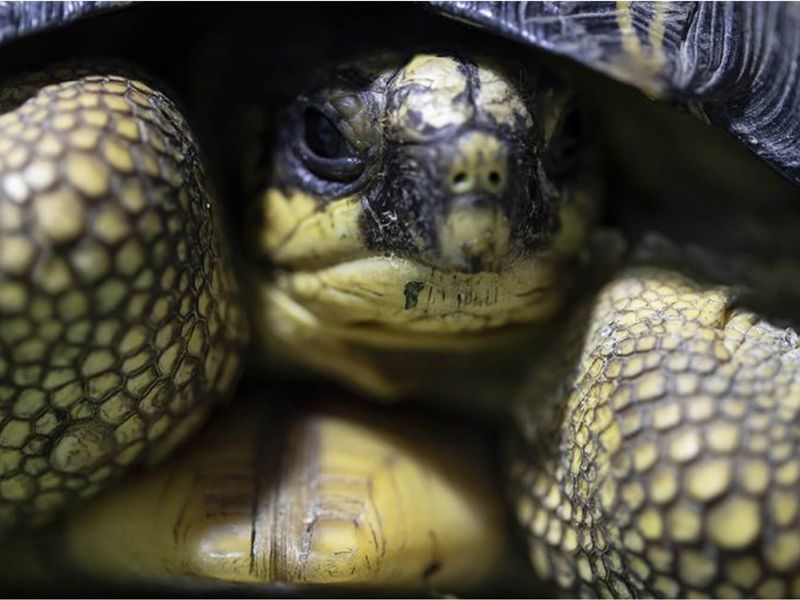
(327, 152)
(322, 136)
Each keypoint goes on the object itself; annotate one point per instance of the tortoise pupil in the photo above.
(322, 136)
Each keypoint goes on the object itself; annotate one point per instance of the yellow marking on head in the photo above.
(436, 105)
(300, 232)
(499, 98)
(403, 294)
(480, 164)
(469, 233)
(365, 355)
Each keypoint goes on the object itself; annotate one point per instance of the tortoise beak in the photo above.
(475, 231)
(462, 199)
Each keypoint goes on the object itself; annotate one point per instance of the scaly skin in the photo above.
(102, 185)
(118, 311)
(359, 496)
(439, 239)
(662, 459)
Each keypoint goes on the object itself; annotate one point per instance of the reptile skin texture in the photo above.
(119, 312)
(670, 466)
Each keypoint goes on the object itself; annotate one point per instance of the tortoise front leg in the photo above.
(118, 316)
(323, 494)
(668, 463)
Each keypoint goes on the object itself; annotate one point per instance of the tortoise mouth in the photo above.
(407, 297)
(361, 320)
(297, 233)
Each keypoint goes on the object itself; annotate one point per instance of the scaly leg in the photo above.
(662, 458)
(118, 317)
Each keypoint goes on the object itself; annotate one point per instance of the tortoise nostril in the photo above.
(495, 178)
(461, 182)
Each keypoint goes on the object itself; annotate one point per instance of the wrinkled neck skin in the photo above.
(424, 222)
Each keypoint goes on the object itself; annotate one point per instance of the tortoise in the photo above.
(427, 222)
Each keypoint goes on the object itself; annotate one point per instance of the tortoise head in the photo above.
(423, 199)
